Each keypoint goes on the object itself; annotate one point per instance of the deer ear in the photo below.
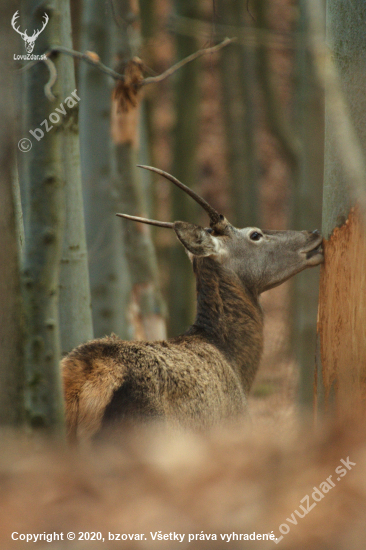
(197, 240)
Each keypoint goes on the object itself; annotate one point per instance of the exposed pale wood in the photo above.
(342, 314)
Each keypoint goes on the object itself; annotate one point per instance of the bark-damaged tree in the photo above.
(342, 307)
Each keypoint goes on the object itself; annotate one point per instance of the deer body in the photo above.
(202, 377)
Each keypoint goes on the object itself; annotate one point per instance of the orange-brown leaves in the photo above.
(126, 91)
(125, 104)
(342, 317)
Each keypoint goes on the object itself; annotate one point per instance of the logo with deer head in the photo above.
(29, 40)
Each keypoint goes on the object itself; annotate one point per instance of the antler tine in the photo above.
(213, 214)
(145, 220)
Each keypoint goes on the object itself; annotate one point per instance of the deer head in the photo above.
(29, 40)
(261, 259)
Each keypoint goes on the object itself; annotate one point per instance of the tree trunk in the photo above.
(75, 307)
(108, 268)
(146, 309)
(237, 70)
(181, 294)
(277, 119)
(12, 377)
(342, 305)
(307, 204)
(44, 232)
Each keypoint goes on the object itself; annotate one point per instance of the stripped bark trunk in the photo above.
(74, 304)
(342, 304)
(109, 279)
(12, 376)
(44, 232)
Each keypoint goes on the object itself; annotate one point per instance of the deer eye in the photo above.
(255, 236)
(209, 230)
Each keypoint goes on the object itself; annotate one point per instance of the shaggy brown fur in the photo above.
(194, 380)
(202, 377)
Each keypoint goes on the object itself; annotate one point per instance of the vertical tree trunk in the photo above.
(277, 119)
(12, 411)
(44, 233)
(307, 204)
(342, 305)
(146, 308)
(237, 70)
(108, 268)
(181, 295)
(75, 307)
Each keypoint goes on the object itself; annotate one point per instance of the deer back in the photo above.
(203, 376)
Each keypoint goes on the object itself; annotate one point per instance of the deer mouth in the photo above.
(316, 249)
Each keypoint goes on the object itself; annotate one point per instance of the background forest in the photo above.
(260, 107)
(242, 124)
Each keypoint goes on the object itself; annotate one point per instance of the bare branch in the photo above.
(53, 77)
(192, 57)
(88, 59)
(117, 76)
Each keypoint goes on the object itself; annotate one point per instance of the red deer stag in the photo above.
(203, 376)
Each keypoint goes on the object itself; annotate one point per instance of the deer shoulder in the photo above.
(203, 376)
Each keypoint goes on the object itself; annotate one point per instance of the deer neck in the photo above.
(229, 317)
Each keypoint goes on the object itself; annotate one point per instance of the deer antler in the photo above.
(215, 217)
(213, 214)
(145, 220)
(15, 17)
(37, 33)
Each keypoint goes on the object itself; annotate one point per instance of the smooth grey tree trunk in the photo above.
(44, 230)
(276, 117)
(342, 304)
(237, 77)
(184, 167)
(74, 304)
(12, 376)
(109, 278)
(307, 204)
(146, 308)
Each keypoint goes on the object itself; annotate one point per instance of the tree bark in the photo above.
(307, 204)
(146, 308)
(44, 232)
(342, 304)
(237, 76)
(12, 376)
(184, 167)
(74, 304)
(108, 269)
